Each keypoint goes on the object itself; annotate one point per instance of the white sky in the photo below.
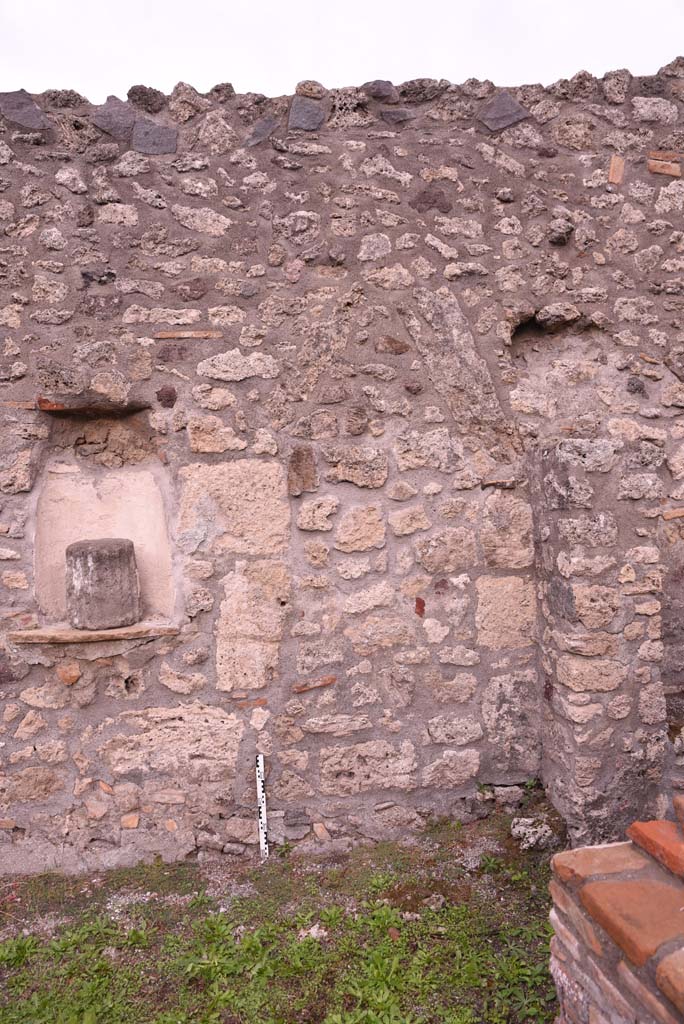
(104, 46)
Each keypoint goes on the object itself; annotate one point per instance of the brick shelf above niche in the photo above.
(66, 635)
(618, 951)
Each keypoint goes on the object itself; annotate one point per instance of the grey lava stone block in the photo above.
(102, 585)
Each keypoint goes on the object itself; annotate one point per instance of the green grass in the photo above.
(385, 935)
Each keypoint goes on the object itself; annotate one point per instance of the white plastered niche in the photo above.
(77, 503)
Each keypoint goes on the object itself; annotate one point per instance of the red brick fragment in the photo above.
(678, 801)
(648, 999)
(315, 684)
(420, 606)
(616, 170)
(581, 924)
(639, 915)
(663, 840)
(181, 333)
(669, 167)
(575, 866)
(670, 978)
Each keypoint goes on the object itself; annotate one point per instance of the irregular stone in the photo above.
(153, 139)
(367, 766)
(306, 114)
(315, 514)
(302, 474)
(179, 682)
(33, 784)
(378, 633)
(591, 675)
(234, 506)
(190, 744)
(115, 118)
(336, 725)
(408, 521)
(448, 550)
(434, 449)
(251, 624)
(365, 467)
(378, 596)
(374, 247)
(460, 730)
(147, 99)
(595, 606)
(557, 316)
(654, 109)
(210, 434)
(360, 529)
(453, 769)
(506, 612)
(506, 532)
(19, 108)
(234, 366)
(202, 219)
(501, 112)
(512, 718)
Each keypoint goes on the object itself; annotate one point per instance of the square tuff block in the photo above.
(102, 585)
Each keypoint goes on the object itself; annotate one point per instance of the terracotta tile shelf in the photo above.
(61, 634)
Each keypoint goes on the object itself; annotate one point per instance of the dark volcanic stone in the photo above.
(20, 109)
(102, 584)
(301, 471)
(431, 198)
(221, 92)
(651, 86)
(396, 115)
(146, 98)
(63, 98)
(153, 139)
(305, 114)
(166, 396)
(102, 152)
(502, 112)
(261, 130)
(422, 90)
(381, 90)
(115, 117)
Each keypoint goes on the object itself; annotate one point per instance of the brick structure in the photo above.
(617, 955)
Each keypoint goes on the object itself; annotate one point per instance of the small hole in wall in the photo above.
(528, 332)
(128, 687)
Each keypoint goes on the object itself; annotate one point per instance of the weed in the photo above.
(317, 943)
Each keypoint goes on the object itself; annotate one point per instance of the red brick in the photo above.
(663, 840)
(183, 332)
(583, 927)
(678, 801)
(670, 978)
(566, 938)
(665, 167)
(616, 170)
(576, 866)
(639, 915)
(654, 1006)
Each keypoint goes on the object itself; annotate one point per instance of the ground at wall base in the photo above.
(451, 929)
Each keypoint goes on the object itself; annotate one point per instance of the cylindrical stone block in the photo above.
(102, 586)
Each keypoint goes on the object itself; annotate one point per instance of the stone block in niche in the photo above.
(102, 585)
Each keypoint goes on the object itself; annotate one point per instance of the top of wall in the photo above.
(155, 124)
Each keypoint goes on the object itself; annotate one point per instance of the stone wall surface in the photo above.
(400, 371)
